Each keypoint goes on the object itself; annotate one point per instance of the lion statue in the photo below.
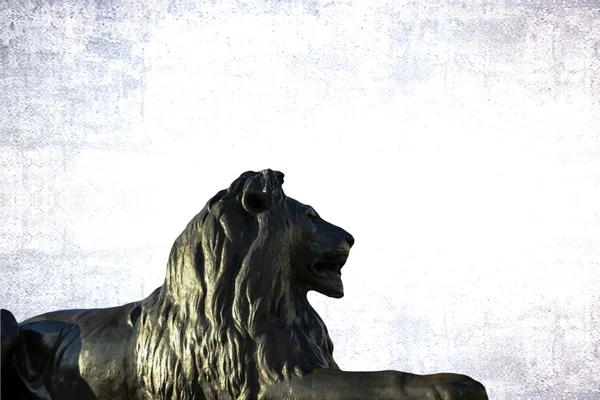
(231, 321)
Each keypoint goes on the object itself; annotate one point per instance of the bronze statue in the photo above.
(231, 321)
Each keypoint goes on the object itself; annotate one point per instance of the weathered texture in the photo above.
(484, 118)
(231, 321)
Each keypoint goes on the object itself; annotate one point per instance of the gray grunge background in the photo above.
(473, 126)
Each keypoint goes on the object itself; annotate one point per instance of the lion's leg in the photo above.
(9, 332)
(45, 363)
(329, 384)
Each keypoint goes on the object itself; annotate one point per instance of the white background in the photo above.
(458, 141)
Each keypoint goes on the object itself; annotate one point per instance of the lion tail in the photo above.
(9, 332)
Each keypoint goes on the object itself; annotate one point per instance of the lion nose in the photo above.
(349, 240)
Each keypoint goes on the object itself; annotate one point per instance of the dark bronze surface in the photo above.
(231, 321)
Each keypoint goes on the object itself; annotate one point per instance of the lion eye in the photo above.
(312, 215)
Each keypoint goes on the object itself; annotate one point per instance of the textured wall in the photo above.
(474, 124)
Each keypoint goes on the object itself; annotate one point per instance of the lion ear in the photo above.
(255, 202)
(279, 176)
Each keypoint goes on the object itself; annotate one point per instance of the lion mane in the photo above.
(227, 320)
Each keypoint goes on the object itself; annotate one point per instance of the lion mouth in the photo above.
(327, 274)
(329, 267)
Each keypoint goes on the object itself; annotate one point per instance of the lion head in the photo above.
(232, 315)
(320, 250)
